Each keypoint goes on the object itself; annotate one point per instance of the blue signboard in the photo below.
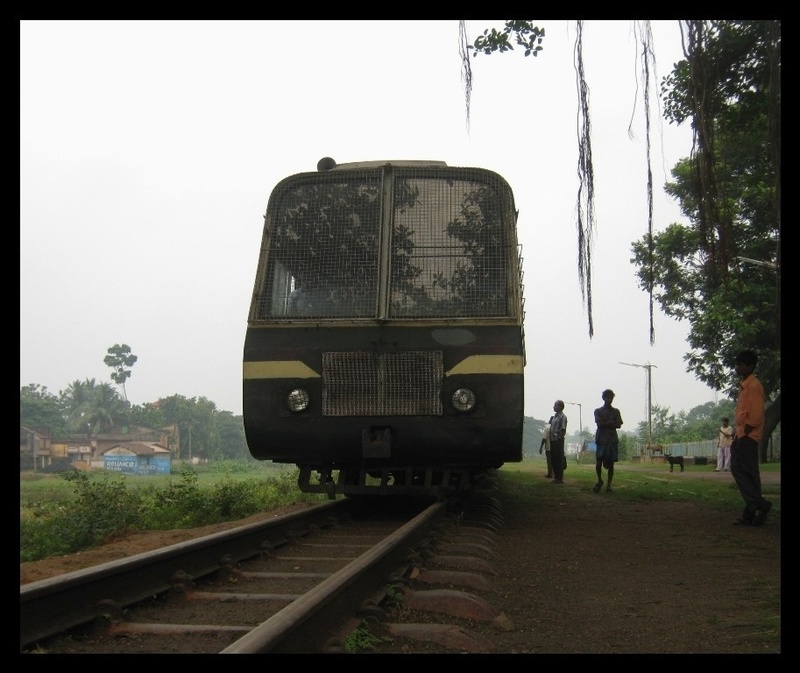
(135, 465)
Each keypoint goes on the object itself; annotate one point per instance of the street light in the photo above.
(750, 260)
(580, 429)
(648, 367)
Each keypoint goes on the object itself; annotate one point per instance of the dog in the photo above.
(673, 461)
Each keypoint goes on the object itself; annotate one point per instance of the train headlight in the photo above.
(463, 400)
(298, 399)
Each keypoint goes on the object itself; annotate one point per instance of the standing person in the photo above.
(749, 421)
(558, 432)
(724, 446)
(608, 420)
(546, 446)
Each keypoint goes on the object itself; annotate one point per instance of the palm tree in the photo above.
(93, 407)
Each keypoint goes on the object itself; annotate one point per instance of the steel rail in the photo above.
(306, 624)
(53, 605)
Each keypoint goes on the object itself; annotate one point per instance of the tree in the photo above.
(729, 88)
(230, 429)
(198, 435)
(698, 424)
(119, 357)
(40, 409)
(87, 407)
(149, 415)
(703, 272)
(731, 67)
(91, 407)
(195, 427)
(78, 404)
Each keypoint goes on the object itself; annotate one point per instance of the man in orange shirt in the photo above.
(749, 422)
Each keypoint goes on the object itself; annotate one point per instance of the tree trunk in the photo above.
(772, 416)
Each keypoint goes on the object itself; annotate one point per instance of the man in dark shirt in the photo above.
(558, 432)
(608, 420)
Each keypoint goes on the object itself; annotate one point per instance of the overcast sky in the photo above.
(149, 149)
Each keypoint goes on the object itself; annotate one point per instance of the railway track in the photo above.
(296, 584)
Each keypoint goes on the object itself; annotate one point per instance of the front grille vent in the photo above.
(387, 384)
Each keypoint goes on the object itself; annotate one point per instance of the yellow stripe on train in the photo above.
(474, 364)
(279, 369)
(489, 364)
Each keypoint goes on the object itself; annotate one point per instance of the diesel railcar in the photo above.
(384, 351)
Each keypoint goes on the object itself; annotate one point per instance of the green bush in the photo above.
(108, 505)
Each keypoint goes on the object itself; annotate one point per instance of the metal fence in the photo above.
(708, 449)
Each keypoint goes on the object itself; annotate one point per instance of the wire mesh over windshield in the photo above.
(449, 248)
(322, 237)
(414, 242)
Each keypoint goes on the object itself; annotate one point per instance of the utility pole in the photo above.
(647, 367)
(580, 430)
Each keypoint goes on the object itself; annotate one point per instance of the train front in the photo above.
(384, 351)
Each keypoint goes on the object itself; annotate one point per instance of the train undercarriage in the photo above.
(407, 481)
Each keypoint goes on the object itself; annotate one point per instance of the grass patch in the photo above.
(68, 512)
(363, 640)
(632, 483)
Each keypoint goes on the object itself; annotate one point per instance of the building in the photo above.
(147, 448)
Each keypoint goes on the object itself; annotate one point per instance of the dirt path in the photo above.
(600, 576)
(586, 573)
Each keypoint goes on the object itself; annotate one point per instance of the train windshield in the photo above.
(389, 243)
